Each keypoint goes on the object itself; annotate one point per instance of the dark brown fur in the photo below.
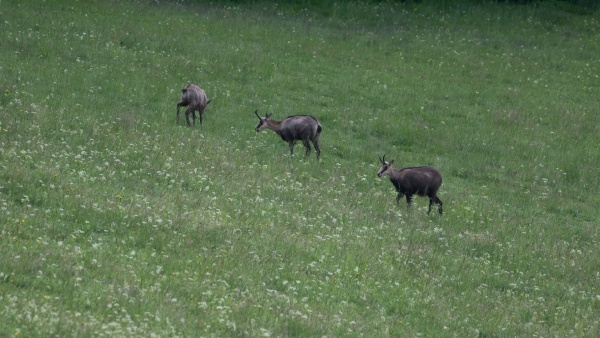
(422, 181)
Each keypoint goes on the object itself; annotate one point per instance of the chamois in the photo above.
(194, 98)
(303, 128)
(423, 181)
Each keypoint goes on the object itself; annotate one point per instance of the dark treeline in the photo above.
(582, 4)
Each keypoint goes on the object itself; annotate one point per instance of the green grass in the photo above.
(116, 221)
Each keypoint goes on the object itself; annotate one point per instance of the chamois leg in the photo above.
(178, 106)
(399, 197)
(439, 202)
(307, 146)
(189, 111)
(201, 115)
(408, 201)
(292, 143)
(315, 143)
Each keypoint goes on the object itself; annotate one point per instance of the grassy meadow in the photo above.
(117, 221)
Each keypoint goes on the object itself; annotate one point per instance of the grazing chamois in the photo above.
(303, 128)
(194, 98)
(423, 181)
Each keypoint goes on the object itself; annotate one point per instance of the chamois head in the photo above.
(263, 121)
(386, 167)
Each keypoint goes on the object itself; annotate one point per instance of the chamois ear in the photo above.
(268, 116)
(392, 162)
